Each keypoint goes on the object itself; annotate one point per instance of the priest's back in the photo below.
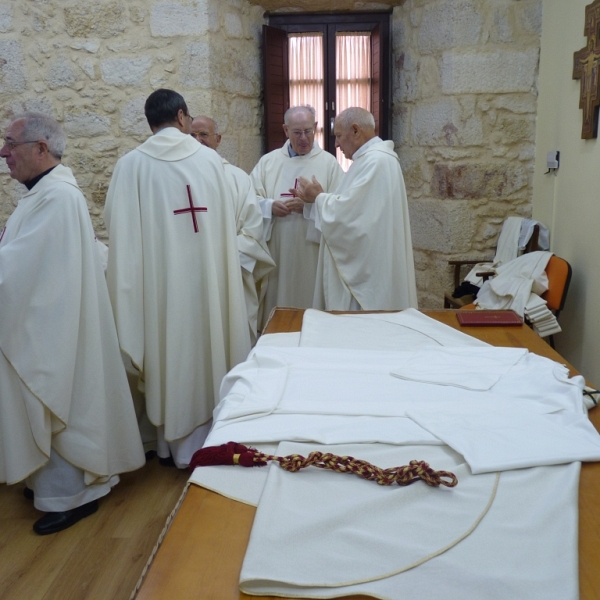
(174, 276)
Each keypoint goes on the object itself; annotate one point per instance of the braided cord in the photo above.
(405, 475)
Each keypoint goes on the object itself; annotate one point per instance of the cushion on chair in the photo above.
(557, 270)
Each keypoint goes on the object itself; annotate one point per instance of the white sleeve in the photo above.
(247, 262)
(314, 215)
(310, 213)
(266, 207)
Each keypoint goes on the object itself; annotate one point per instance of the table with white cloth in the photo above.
(509, 529)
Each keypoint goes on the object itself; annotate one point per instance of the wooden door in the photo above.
(276, 85)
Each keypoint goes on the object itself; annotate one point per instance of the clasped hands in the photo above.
(306, 191)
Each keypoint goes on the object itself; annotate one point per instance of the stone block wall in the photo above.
(92, 63)
(465, 95)
(464, 98)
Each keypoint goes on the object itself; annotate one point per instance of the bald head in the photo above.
(206, 131)
(303, 112)
(299, 127)
(356, 116)
(353, 127)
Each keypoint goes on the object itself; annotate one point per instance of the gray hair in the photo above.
(295, 109)
(356, 116)
(38, 127)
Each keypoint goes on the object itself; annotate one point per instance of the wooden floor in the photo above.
(99, 558)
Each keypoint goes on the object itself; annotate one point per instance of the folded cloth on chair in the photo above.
(527, 226)
(514, 237)
(514, 283)
(543, 321)
(507, 249)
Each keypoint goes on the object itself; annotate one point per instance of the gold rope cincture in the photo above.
(404, 475)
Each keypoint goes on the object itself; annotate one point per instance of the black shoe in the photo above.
(54, 522)
(166, 462)
(150, 455)
(28, 493)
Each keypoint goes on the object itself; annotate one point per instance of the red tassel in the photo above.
(224, 455)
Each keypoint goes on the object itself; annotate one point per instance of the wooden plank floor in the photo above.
(102, 556)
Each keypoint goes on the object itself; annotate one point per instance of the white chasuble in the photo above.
(293, 241)
(62, 382)
(319, 534)
(174, 276)
(366, 255)
(255, 259)
(349, 531)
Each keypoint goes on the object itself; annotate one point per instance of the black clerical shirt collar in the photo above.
(31, 182)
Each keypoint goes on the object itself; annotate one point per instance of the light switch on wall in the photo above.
(552, 159)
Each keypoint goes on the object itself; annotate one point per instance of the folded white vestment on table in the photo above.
(431, 394)
(334, 514)
(310, 538)
(349, 396)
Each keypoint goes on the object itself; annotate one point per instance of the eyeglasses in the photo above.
(11, 145)
(201, 135)
(300, 132)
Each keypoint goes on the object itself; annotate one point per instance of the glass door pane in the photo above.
(305, 53)
(353, 75)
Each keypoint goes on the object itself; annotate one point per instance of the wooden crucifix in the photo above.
(586, 66)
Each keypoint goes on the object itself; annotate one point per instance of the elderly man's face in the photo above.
(347, 140)
(21, 158)
(301, 132)
(204, 131)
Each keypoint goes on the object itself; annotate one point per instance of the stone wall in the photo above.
(92, 63)
(465, 93)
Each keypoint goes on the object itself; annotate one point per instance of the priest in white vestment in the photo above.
(174, 275)
(365, 257)
(67, 423)
(292, 239)
(255, 260)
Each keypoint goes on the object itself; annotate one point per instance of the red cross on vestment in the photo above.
(191, 209)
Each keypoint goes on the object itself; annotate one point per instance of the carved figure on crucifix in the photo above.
(586, 66)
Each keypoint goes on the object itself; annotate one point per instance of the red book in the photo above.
(488, 318)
